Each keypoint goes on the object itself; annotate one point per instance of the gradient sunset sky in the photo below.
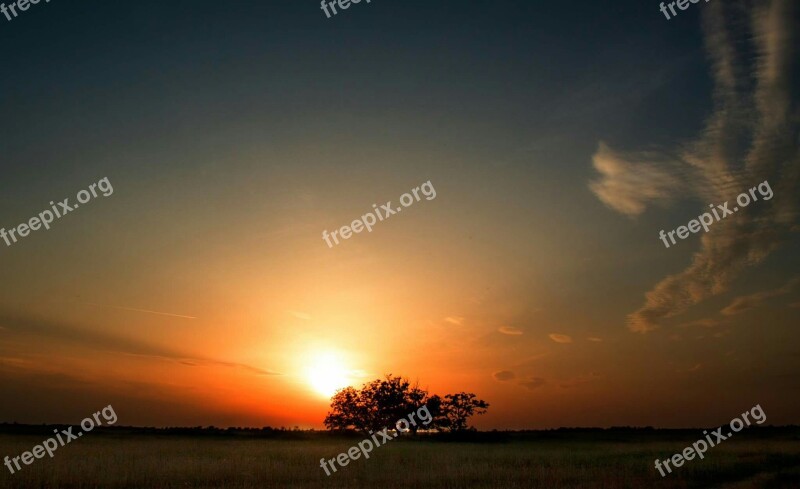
(560, 137)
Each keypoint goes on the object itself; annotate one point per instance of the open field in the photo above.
(600, 459)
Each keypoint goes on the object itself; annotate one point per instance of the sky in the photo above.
(560, 139)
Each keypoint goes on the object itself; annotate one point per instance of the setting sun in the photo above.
(327, 373)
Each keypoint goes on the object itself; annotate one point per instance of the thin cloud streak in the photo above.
(140, 310)
(747, 302)
(107, 342)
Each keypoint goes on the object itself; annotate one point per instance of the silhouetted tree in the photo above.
(415, 399)
(348, 411)
(382, 402)
(440, 421)
(458, 408)
(386, 401)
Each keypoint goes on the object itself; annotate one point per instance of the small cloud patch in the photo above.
(504, 375)
(560, 338)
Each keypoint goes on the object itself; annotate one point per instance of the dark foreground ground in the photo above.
(124, 458)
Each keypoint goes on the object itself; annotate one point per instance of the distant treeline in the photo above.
(265, 432)
(620, 433)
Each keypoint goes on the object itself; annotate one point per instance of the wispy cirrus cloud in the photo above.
(457, 320)
(136, 309)
(750, 137)
(509, 330)
(747, 302)
(300, 315)
(693, 368)
(701, 323)
(26, 325)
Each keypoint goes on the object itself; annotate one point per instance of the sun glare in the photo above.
(327, 373)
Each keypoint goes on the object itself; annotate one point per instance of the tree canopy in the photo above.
(381, 402)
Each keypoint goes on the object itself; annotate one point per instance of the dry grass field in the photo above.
(550, 460)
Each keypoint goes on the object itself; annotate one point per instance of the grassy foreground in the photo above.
(551, 460)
